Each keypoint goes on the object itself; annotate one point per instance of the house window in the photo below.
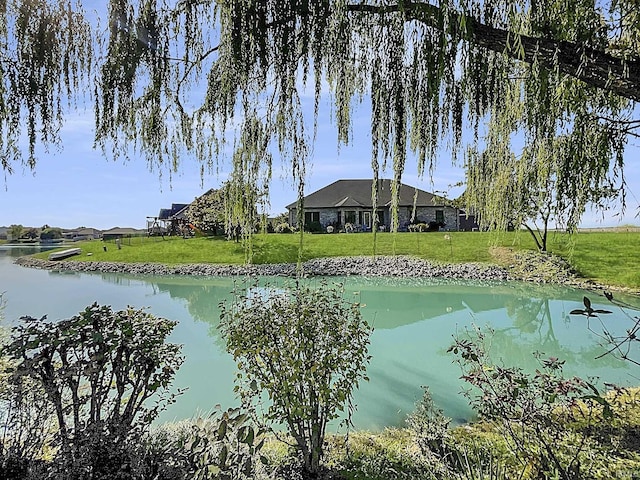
(310, 217)
(350, 216)
(440, 216)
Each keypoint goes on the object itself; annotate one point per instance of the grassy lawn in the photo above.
(452, 247)
(612, 258)
(609, 257)
(455, 247)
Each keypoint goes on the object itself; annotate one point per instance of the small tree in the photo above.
(281, 218)
(51, 234)
(32, 233)
(307, 348)
(15, 231)
(207, 212)
(96, 371)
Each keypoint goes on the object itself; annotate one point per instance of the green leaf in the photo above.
(248, 439)
(222, 457)
(222, 429)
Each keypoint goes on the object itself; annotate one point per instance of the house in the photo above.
(467, 221)
(118, 232)
(168, 221)
(468, 218)
(82, 233)
(349, 202)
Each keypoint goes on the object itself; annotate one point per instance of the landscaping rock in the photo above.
(382, 266)
(526, 266)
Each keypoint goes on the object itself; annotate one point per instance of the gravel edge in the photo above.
(528, 266)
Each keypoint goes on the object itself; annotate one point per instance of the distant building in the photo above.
(78, 234)
(118, 232)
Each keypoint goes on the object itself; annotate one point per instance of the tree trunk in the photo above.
(540, 246)
(596, 68)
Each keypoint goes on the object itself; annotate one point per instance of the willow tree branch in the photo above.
(628, 127)
(594, 67)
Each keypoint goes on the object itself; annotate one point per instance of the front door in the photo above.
(367, 219)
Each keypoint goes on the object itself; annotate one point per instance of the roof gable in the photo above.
(349, 202)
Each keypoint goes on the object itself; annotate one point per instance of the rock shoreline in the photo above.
(529, 266)
(383, 266)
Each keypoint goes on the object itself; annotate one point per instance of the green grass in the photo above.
(171, 251)
(283, 248)
(612, 258)
(451, 247)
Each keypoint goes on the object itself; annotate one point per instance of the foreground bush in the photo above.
(553, 426)
(94, 373)
(307, 349)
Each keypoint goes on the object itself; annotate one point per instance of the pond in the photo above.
(414, 320)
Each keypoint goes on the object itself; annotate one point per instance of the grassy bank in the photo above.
(607, 257)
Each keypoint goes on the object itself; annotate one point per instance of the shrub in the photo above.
(96, 371)
(313, 227)
(224, 445)
(418, 227)
(26, 430)
(389, 454)
(283, 228)
(534, 412)
(24, 420)
(307, 348)
(429, 425)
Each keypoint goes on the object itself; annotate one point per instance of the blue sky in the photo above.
(77, 186)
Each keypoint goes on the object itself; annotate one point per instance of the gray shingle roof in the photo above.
(357, 193)
(165, 214)
(173, 212)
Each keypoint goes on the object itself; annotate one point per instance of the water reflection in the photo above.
(16, 250)
(414, 322)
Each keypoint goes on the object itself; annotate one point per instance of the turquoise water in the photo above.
(414, 321)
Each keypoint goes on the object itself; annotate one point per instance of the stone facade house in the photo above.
(349, 202)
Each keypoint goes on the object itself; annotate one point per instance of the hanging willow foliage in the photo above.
(540, 92)
(45, 53)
